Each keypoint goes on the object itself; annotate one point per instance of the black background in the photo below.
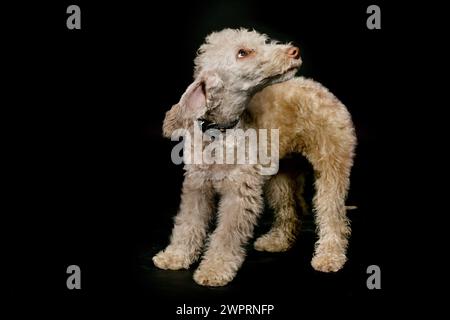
(101, 190)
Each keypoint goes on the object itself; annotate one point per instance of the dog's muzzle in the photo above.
(206, 125)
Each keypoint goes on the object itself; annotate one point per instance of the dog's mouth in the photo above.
(206, 125)
(292, 69)
(285, 75)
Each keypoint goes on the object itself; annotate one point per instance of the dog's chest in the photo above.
(220, 172)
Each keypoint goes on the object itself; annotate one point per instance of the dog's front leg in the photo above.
(239, 208)
(189, 232)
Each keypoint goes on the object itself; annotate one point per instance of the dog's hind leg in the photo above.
(332, 182)
(280, 192)
(189, 232)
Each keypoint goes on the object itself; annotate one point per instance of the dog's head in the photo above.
(231, 66)
(246, 61)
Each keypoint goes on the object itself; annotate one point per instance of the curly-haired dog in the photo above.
(243, 80)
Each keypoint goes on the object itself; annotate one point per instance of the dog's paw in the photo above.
(170, 260)
(328, 262)
(212, 278)
(213, 274)
(272, 242)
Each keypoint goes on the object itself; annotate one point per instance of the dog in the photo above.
(243, 80)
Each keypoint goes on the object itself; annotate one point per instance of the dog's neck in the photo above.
(228, 112)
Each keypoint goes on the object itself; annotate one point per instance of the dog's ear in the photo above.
(191, 106)
(214, 89)
(193, 100)
(204, 93)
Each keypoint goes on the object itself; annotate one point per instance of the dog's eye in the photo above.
(242, 53)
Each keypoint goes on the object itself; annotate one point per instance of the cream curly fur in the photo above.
(259, 90)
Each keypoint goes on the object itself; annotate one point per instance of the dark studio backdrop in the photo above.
(103, 188)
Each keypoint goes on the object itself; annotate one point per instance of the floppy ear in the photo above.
(193, 100)
(214, 89)
(204, 93)
(191, 106)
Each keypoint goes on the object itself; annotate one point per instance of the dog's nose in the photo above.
(293, 52)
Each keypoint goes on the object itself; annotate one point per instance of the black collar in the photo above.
(207, 125)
